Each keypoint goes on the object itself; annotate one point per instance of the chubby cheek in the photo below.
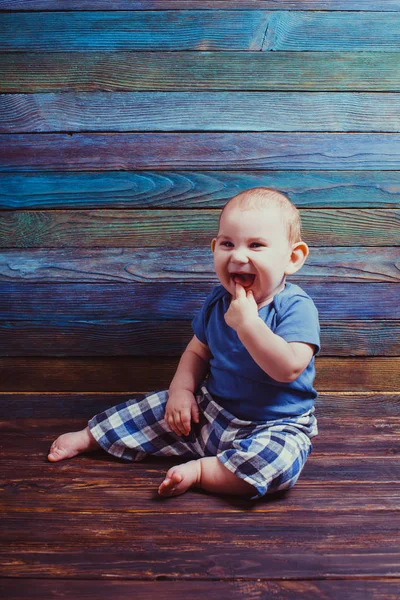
(224, 277)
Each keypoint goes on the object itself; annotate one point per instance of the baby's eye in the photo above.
(256, 245)
(227, 244)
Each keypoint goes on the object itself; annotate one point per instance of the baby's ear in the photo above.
(298, 257)
(213, 242)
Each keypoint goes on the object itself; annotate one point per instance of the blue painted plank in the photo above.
(191, 151)
(202, 111)
(332, 31)
(177, 301)
(113, 31)
(79, 337)
(202, 189)
(151, 265)
(200, 30)
(190, 71)
(76, 5)
(183, 228)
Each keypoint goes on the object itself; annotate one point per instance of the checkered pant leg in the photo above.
(134, 429)
(269, 455)
(271, 461)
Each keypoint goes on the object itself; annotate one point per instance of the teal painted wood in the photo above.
(169, 338)
(76, 5)
(228, 151)
(332, 31)
(81, 265)
(178, 301)
(190, 71)
(200, 30)
(202, 111)
(203, 189)
(183, 229)
(127, 30)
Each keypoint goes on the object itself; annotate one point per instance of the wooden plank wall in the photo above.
(123, 133)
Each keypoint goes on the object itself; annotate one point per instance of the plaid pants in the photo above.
(268, 455)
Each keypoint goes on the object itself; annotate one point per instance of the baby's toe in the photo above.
(58, 451)
(55, 454)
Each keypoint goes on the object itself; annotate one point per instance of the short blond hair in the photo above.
(263, 198)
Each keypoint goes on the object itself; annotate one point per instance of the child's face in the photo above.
(252, 249)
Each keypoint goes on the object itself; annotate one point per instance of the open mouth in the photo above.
(244, 279)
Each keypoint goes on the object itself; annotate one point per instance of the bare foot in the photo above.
(180, 478)
(71, 444)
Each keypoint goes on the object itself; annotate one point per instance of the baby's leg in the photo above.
(207, 473)
(71, 444)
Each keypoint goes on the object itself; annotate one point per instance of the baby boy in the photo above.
(240, 408)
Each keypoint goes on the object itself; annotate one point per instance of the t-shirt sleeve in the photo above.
(199, 322)
(298, 322)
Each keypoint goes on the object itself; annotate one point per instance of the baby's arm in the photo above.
(182, 405)
(281, 360)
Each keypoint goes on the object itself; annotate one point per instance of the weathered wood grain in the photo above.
(353, 544)
(202, 189)
(28, 589)
(118, 374)
(106, 488)
(202, 111)
(30, 335)
(189, 151)
(331, 31)
(77, 5)
(81, 265)
(194, 70)
(116, 302)
(201, 30)
(129, 30)
(183, 229)
(100, 483)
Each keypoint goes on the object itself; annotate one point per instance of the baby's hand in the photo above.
(181, 407)
(242, 308)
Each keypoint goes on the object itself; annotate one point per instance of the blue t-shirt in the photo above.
(235, 380)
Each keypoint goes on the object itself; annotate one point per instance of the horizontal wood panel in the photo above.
(119, 374)
(204, 189)
(86, 482)
(77, 337)
(76, 5)
(115, 529)
(183, 229)
(90, 561)
(67, 485)
(332, 31)
(190, 71)
(128, 30)
(353, 542)
(228, 151)
(80, 265)
(200, 30)
(27, 589)
(203, 111)
(113, 302)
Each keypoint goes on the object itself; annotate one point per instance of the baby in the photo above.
(241, 403)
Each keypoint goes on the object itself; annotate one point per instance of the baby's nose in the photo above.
(239, 256)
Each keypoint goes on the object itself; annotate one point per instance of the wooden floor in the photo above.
(94, 527)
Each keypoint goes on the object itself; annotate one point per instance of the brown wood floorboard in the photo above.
(34, 589)
(66, 525)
